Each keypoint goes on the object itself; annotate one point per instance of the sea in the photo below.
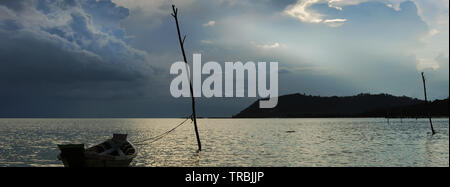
(329, 142)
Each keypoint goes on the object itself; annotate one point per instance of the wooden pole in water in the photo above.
(426, 100)
(194, 117)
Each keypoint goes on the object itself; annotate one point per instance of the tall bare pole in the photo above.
(194, 117)
(426, 100)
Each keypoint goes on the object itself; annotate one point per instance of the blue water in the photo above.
(237, 142)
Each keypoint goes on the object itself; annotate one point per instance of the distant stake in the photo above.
(426, 100)
(387, 117)
(194, 117)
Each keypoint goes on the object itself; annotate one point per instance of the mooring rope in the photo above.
(156, 138)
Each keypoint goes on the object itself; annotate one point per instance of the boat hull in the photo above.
(115, 152)
(94, 162)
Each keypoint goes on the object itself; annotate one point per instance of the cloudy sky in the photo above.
(103, 58)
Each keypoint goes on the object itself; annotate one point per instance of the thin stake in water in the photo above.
(194, 117)
(426, 100)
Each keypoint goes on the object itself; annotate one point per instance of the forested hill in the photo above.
(362, 105)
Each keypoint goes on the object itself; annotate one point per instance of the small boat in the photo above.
(115, 152)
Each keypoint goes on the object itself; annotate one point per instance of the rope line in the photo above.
(156, 138)
(159, 137)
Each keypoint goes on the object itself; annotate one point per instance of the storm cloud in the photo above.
(68, 50)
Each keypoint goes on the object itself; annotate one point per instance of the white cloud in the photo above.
(210, 24)
(302, 12)
(335, 22)
(269, 46)
(436, 41)
(423, 64)
(433, 32)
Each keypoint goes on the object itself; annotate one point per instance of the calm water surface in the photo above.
(237, 142)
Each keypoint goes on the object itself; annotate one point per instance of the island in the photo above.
(358, 106)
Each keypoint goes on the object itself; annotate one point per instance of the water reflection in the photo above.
(232, 142)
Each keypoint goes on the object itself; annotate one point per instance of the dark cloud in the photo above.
(14, 4)
(55, 52)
